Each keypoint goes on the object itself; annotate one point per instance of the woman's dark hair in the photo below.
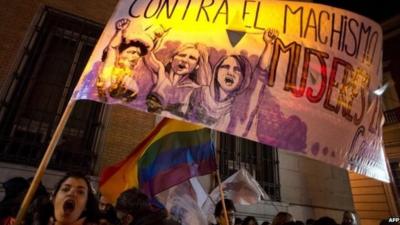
(124, 45)
(92, 211)
(133, 201)
(228, 205)
(248, 219)
(15, 189)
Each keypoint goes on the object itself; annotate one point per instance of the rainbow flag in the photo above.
(171, 154)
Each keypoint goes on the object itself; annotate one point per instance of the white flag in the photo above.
(241, 188)
(183, 203)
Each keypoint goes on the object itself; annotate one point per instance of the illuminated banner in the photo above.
(299, 76)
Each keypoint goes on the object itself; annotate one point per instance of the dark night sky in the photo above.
(376, 10)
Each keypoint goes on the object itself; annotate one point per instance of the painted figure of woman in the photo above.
(188, 69)
(212, 104)
(232, 75)
(116, 76)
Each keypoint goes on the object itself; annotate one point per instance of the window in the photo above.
(259, 160)
(39, 89)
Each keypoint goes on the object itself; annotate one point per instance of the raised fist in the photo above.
(122, 24)
(270, 35)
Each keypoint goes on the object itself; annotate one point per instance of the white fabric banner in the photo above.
(182, 202)
(240, 187)
(297, 76)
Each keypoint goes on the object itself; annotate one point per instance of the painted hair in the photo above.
(124, 45)
(143, 49)
(245, 70)
(202, 74)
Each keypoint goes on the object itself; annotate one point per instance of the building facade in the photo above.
(375, 200)
(45, 45)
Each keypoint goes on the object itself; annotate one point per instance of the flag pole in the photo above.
(217, 157)
(45, 161)
(222, 198)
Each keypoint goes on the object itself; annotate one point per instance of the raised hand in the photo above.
(270, 35)
(122, 24)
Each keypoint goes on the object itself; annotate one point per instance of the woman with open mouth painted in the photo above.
(187, 69)
(212, 104)
(225, 104)
(73, 202)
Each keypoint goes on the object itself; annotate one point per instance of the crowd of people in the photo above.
(282, 218)
(74, 202)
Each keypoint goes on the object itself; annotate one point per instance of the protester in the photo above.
(310, 221)
(238, 221)
(349, 218)
(281, 218)
(40, 208)
(230, 210)
(72, 203)
(325, 221)
(250, 220)
(108, 218)
(15, 189)
(104, 204)
(133, 208)
(108, 214)
(39, 212)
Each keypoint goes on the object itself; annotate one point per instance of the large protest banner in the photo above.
(298, 76)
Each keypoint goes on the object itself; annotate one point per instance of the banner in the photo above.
(183, 202)
(298, 76)
(240, 187)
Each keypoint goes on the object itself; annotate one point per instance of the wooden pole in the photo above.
(217, 158)
(45, 161)
(222, 198)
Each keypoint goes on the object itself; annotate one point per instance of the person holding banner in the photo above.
(116, 76)
(187, 69)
